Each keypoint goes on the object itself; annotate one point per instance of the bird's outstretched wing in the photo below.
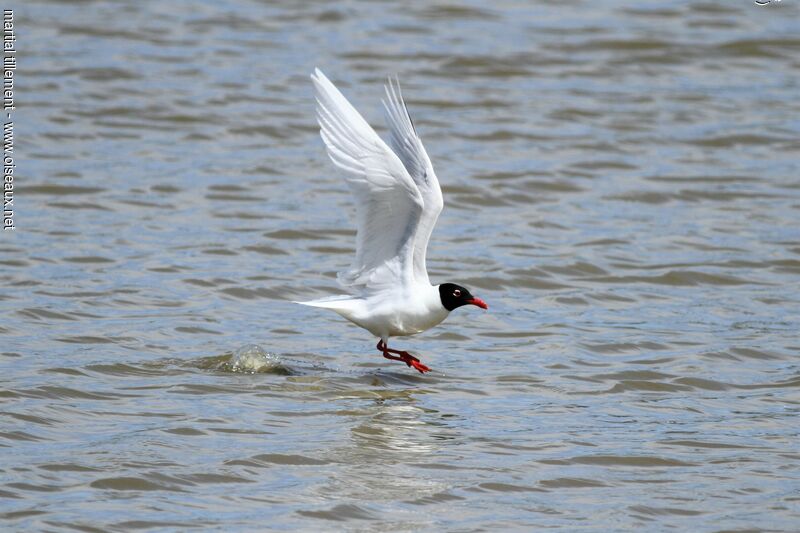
(389, 204)
(408, 147)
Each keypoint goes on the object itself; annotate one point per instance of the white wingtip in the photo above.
(318, 75)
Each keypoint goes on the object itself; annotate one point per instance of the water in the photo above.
(621, 186)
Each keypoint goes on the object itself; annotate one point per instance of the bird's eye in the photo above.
(457, 293)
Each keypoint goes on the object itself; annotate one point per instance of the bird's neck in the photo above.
(435, 298)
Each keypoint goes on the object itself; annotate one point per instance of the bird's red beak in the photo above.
(480, 303)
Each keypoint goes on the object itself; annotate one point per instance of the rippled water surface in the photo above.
(621, 186)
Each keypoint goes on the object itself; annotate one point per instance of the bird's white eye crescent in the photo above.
(457, 293)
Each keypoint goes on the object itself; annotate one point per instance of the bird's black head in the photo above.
(454, 296)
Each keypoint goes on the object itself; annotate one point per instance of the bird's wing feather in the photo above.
(388, 201)
(408, 146)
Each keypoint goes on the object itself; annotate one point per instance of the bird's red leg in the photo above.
(383, 348)
(405, 357)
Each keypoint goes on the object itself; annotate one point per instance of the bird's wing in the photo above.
(408, 146)
(388, 202)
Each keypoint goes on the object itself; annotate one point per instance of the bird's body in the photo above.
(391, 314)
(398, 200)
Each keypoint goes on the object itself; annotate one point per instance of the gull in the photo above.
(398, 200)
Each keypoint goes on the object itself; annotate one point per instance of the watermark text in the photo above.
(9, 68)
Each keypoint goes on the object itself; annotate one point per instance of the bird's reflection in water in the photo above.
(390, 445)
(396, 427)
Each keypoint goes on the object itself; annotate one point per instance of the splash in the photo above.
(253, 359)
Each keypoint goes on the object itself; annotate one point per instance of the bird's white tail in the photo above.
(336, 303)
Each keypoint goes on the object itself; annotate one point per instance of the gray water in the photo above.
(621, 186)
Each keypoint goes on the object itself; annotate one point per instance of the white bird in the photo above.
(398, 200)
